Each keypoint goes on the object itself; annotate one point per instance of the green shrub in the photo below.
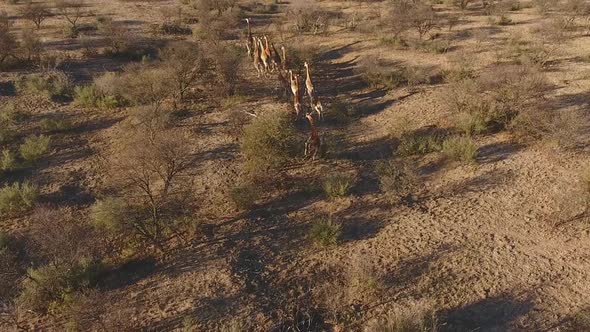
(460, 149)
(108, 214)
(47, 287)
(397, 179)
(89, 96)
(50, 84)
(325, 232)
(85, 96)
(17, 197)
(269, 141)
(10, 114)
(34, 147)
(336, 186)
(245, 196)
(7, 161)
(108, 102)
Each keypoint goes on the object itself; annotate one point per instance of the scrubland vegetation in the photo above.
(254, 165)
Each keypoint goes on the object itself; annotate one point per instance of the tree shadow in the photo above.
(224, 152)
(70, 194)
(128, 273)
(479, 183)
(380, 148)
(7, 89)
(337, 53)
(360, 228)
(410, 269)
(491, 314)
(495, 152)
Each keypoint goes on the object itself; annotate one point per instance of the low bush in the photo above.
(499, 94)
(269, 141)
(460, 148)
(18, 197)
(337, 186)
(7, 161)
(47, 287)
(397, 179)
(325, 232)
(10, 114)
(89, 96)
(108, 214)
(34, 147)
(245, 196)
(52, 84)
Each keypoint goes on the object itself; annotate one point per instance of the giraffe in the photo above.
(258, 65)
(313, 98)
(294, 79)
(308, 83)
(294, 83)
(276, 57)
(250, 43)
(263, 55)
(313, 144)
(284, 82)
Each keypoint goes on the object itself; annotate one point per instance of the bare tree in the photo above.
(71, 11)
(150, 169)
(8, 43)
(35, 12)
(185, 64)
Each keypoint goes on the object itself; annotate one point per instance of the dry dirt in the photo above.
(481, 243)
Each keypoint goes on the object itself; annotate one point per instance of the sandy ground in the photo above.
(483, 242)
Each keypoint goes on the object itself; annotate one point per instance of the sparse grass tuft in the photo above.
(414, 143)
(461, 149)
(18, 197)
(245, 196)
(337, 186)
(397, 179)
(470, 123)
(55, 124)
(325, 232)
(34, 147)
(412, 318)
